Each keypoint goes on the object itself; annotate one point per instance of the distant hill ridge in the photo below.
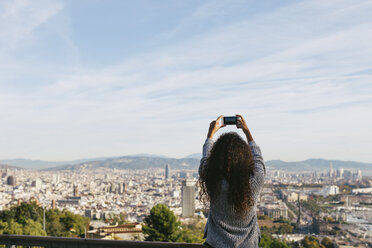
(318, 164)
(144, 161)
(5, 166)
(134, 163)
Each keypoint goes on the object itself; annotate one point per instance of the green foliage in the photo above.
(11, 227)
(192, 232)
(27, 219)
(282, 220)
(327, 242)
(268, 242)
(161, 225)
(311, 242)
(263, 217)
(117, 219)
(33, 228)
(312, 205)
(22, 213)
(284, 228)
(69, 224)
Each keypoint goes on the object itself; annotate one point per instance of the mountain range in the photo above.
(144, 161)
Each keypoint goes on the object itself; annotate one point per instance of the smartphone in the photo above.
(229, 120)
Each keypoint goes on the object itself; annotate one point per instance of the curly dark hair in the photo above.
(230, 160)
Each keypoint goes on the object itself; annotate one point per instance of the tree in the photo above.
(75, 222)
(27, 219)
(327, 242)
(311, 242)
(11, 227)
(119, 219)
(265, 241)
(268, 242)
(285, 228)
(192, 232)
(161, 225)
(278, 244)
(53, 226)
(33, 228)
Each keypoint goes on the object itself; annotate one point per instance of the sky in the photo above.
(94, 78)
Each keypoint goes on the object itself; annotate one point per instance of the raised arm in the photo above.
(256, 151)
(243, 125)
(214, 126)
(257, 181)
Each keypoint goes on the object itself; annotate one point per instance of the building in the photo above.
(167, 172)
(356, 200)
(130, 231)
(75, 190)
(88, 213)
(11, 181)
(331, 171)
(329, 190)
(36, 183)
(188, 198)
(340, 173)
(362, 191)
(276, 211)
(71, 201)
(359, 175)
(294, 197)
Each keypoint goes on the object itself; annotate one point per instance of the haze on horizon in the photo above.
(85, 79)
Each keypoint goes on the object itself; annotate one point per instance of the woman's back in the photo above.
(225, 226)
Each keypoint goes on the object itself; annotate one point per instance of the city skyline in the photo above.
(102, 78)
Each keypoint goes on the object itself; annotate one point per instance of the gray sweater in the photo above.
(224, 228)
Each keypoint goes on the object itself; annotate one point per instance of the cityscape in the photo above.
(105, 105)
(336, 203)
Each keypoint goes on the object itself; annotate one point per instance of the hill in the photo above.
(40, 164)
(144, 161)
(134, 163)
(139, 162)
(319, 165)
(4, 166)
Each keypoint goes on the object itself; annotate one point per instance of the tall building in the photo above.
(340, 173)
(55, 178)
(11, 181)
(329, 190)
(331, 171)
(167, 172)
(121, 188)
(188, 198)
(359, 175)
(36, 183)
(76, 190)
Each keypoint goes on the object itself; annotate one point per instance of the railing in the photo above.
(11, 241)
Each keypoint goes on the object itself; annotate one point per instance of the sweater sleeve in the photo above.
(257, 180)
(207, 147)
(257, 157)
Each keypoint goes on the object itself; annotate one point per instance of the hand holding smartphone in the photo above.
(230, 120)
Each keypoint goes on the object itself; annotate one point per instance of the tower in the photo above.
(188, 198)
(341, 172)
(11, 181)
(76, 190)
(299, 212)
(167, 172)
(331, 171)
(359, 175)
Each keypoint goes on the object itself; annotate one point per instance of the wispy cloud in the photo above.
(19, 18)
(299, 72)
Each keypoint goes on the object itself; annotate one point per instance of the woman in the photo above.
(232, 174)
